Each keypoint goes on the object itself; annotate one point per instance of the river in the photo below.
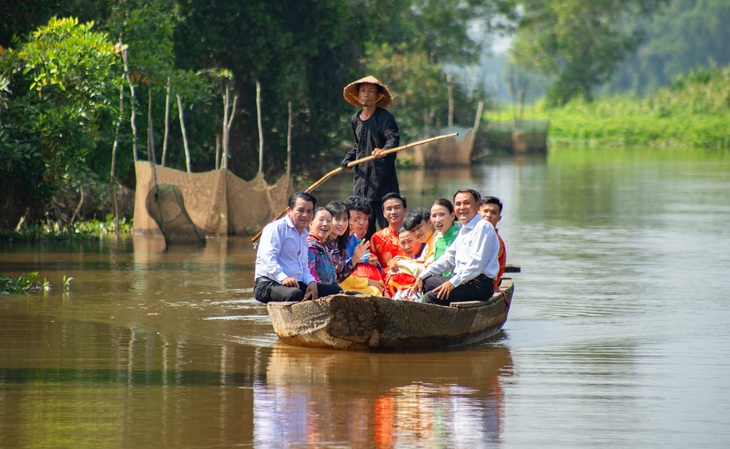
(618, 334)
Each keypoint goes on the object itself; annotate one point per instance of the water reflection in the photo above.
(450, 399)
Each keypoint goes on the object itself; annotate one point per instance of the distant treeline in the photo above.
(681, 35)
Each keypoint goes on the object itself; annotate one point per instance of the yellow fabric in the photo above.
(426, 256)
(359, 284)
(410, 266)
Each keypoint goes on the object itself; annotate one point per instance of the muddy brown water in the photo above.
(618, 334)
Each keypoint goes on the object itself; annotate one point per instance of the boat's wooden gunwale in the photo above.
(357, 322)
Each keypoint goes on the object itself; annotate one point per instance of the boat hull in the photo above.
(451, 152)
(359, 322)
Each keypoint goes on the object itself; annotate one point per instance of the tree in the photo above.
(60, 114)
(302, 51)
(684, 35)
(577, 42)
(306, 51)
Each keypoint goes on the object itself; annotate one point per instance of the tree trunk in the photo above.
(76, 211)
(132, 118)
(150, 128)
(112, 175)
(184, 135)
(167, 123)
(288, 144)
(226, 100)
(450, 89)
(261, 131)
(228, 126)
(217, 151)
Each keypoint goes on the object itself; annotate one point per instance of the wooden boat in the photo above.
(455, 151)
(517, 136)
(360, 322)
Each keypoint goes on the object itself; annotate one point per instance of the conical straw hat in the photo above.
(350, 92)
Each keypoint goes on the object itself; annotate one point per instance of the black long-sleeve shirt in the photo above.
(376, 178)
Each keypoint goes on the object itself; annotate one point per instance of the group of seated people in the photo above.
(449, 253)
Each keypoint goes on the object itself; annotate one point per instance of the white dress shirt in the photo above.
(475, 251)
(283, 253)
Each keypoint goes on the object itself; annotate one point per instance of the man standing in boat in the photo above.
(282, 260)
(473, 258)
(375, 131)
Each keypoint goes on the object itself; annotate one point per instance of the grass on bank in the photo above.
(693, 112)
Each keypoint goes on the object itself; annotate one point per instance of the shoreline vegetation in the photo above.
(693, 112)
(80, 230)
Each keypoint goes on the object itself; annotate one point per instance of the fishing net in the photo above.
(165, 205)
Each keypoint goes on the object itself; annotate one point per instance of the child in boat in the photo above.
(320, 261)
(443, 221)
(490, 208)
(418, 221)
(366, 276)
(401, 277)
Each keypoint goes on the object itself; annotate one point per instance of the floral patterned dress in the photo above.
(320, 261)
(340, 259)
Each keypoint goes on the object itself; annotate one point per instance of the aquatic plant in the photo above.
(23, 284)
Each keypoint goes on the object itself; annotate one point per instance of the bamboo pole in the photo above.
(358, 162)
(288, 144)
(167, 123)
(261, 131)
(184, 133)
(132, 117)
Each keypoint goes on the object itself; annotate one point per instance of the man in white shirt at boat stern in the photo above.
(282, 260)
(472, 258)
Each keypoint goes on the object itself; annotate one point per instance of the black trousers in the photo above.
(481, 288)
(267, 290)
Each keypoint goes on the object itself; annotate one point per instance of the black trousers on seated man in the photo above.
(267, 290)
(481, 288)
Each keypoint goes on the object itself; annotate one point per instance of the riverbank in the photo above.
(80, 230)
(693, 112)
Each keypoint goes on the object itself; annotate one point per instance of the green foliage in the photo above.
(577, 42)
(417, 85)
(307, 51)
(23, 284)
(59, 119)
(81, 230)
(683, 35)
(693, 112)
(444, 30)
(60, 112)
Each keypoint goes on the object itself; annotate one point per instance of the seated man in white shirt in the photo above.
(472, 258)
(282, 260)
